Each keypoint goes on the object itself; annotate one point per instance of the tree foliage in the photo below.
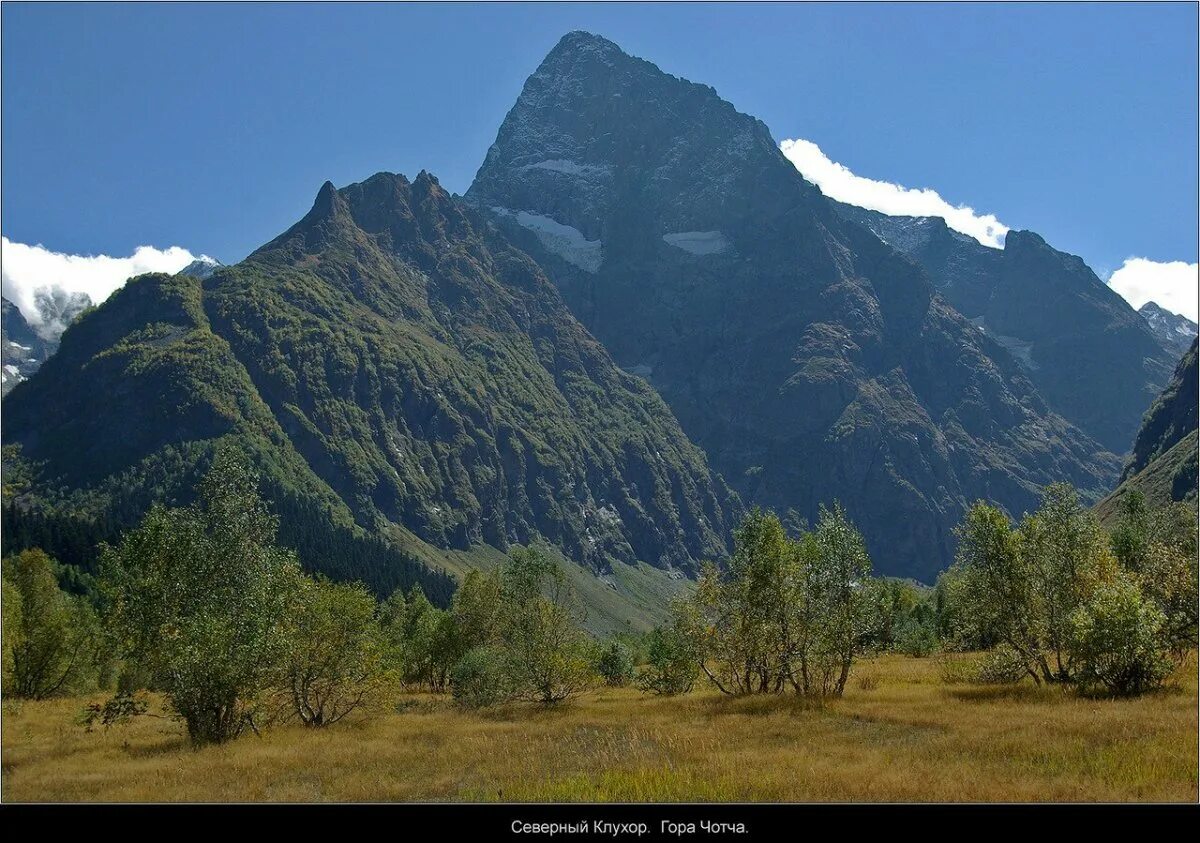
(1117, 639)
(51, 638)
(672, 664)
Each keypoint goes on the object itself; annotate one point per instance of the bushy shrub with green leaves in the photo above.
(671, 663)
(784, 614)
(915, 636)
(1117, 640)
(199, 599)
(548, 652)
(334, 662)
(1002, 665)
(482, 677)
(614, 664)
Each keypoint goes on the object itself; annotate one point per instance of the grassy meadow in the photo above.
(901, 733)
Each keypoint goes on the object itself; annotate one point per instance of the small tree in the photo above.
(11, 633)
(1020, 587)
(784, 613)
(1116, 638)
(1067, 555)
(334, 662)
(199, 598)
(547, 650)
(477, 612)
(744, 615)
(614, 664)
(51, 637)
(833, 604)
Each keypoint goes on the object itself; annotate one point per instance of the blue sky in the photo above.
(212, 126)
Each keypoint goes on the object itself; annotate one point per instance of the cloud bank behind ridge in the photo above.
(28, 269)
(1173, 285)
(838, 182)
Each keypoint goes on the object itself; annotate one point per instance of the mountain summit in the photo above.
(812, 361)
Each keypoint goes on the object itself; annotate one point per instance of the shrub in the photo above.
(671, 666)
(785, 614)
(915, 637)
(1019, 587)
(614, 665)
(1117, 640)
(956, 668)
(481, 678)
(547, 651)
(1001, 665)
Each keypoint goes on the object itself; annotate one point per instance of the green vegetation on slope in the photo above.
(1163, 466)
(400, 374)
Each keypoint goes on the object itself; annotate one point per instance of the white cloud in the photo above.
(837, 182)
(30, 269)
(1173, 285)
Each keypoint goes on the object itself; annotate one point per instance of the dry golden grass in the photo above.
(900, 734)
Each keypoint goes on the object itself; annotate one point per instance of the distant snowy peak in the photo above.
(202, 267)
(22, 350)
(1174, 331)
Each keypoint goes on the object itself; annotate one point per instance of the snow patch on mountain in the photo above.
(565, 241)
(571, 168)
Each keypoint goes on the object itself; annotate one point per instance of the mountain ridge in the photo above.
(1094, 358)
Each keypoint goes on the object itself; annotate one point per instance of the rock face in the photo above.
(810, 360)
(1091, 356)
(1163, 466)
(1174, 332)
(391, 357)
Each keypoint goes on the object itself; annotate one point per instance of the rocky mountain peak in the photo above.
(596, 132)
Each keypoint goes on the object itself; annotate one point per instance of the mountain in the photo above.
(1174, 332)
(808, 358)
(1091, 356)
(1164, 463)
(395, 365)
(23, 348)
